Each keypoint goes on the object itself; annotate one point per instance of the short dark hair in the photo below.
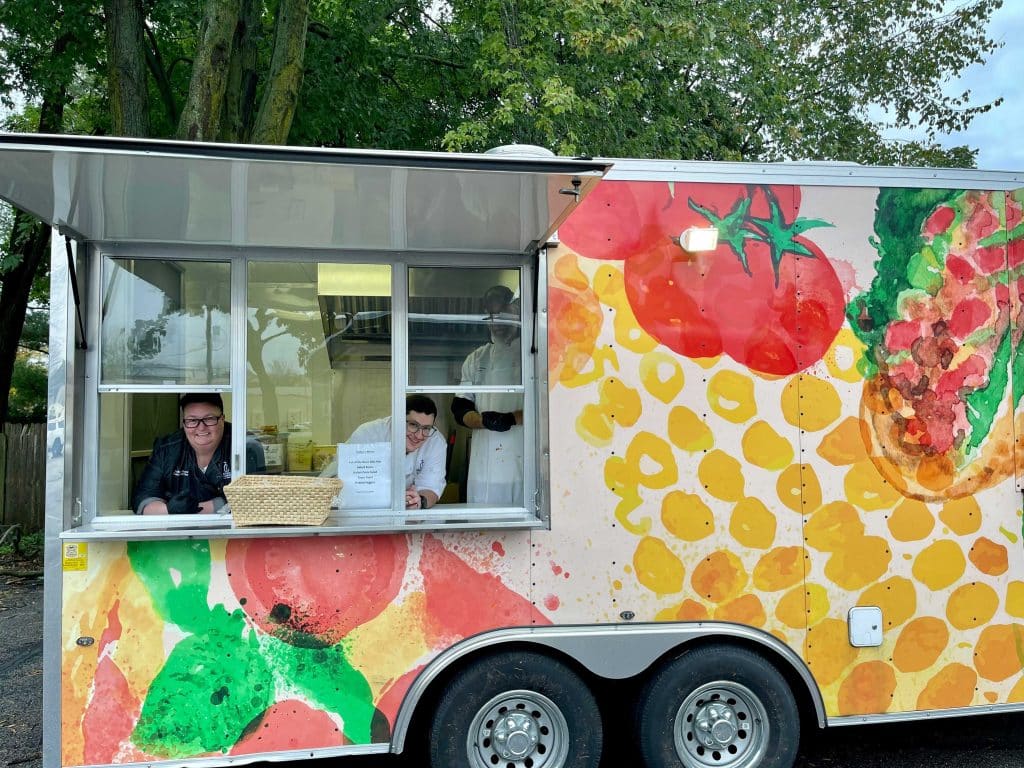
(497, 295)
(420, 404)
(210, 398)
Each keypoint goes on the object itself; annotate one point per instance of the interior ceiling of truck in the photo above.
(163, 192)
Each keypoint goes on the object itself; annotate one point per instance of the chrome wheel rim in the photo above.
(721, 725)
(518, 729)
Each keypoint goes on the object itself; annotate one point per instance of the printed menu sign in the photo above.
(365, 472)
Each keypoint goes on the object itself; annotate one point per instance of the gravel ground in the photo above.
(21, 672)
(993, 741)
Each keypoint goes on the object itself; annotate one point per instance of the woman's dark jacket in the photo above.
(173, 473)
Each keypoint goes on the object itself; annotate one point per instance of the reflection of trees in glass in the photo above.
(300, 337)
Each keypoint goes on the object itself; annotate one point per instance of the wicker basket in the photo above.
(280, 499)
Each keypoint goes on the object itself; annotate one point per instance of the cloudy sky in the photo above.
(993, 133)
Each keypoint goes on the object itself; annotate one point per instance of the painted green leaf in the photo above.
(177, 576)
(328, 680)
(211, 687)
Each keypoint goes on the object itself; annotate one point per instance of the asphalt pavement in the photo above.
(990, 741)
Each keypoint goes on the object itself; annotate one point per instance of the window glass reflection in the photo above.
(165, 322)
(318, 360)
(453, 312)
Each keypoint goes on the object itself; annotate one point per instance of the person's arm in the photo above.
(464, 411)
(149, 497)
(429, 481)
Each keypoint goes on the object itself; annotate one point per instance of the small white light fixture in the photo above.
(698, 239)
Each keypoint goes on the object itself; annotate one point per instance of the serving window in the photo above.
(425, 364)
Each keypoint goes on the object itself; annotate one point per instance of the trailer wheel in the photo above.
(718, 707)
(516, 710)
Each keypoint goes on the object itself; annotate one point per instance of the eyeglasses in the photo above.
(206, 421)
(412, 427)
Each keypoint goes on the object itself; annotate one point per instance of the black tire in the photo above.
(718, 707)
(552, 718)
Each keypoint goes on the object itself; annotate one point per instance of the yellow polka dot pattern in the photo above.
(754, 499)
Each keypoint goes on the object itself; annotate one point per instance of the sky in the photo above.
(993, 133)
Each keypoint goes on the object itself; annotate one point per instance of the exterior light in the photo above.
(698, 239)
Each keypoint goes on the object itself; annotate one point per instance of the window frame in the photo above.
(534, 513)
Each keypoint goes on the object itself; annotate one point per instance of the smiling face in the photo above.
(418, 427)
(203, 438)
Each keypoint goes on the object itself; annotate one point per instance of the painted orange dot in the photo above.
(661, 375)
(1015, 599)
(691, 610)
(868, 689)
(911, 521)
(920, 643)
(896, 597)
(832, 526)
(721, 475)
(745, 609)
(798, 488)
(779, 569)
(972, 605)
(989, 557)
(810, 403)
(939, 564)
(866, 488)
(1016, 694)
(803, 606)
(657, 567)
(686, 516)
(719, 577)
(952, 686)
(765, 448)
(752, 524)
(688, 431)
(963, 516)
(651, 462)
(731, 396)
(828, 651)
(859, 563)
(844, 444)
(997, 654)
(841, 358)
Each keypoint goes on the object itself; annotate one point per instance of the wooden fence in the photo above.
(23, 476)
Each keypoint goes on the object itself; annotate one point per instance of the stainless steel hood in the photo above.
(149, 191)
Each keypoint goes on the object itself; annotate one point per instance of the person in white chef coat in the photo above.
(496, 418)
(425, 451)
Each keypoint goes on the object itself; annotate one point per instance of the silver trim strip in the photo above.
(615, 651)
(258, 757)
(925, 714)
(810, 174)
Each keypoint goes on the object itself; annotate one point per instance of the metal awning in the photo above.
(148, 191)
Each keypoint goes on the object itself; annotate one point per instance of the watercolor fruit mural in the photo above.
(942, 340)
(315, 591)
(767, 296)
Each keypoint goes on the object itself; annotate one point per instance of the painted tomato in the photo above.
(767, 296)
(317, 590)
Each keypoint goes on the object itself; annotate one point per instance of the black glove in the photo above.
(498, 422)
(183, 503)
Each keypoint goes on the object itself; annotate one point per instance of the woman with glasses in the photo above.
(425, 450)
(187, 470)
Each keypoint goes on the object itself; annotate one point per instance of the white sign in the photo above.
(365, 472)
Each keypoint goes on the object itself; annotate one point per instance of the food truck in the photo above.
(765, 439)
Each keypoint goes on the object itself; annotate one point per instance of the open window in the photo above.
(316, 294)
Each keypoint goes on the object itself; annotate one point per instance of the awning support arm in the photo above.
(79, 344)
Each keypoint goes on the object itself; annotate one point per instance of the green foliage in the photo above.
(28, 390)
(28, 546)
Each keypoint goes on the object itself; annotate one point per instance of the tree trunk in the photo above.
(126, 63)
(281, 95)
(240, 99)
(29, 242)
(201, 115)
